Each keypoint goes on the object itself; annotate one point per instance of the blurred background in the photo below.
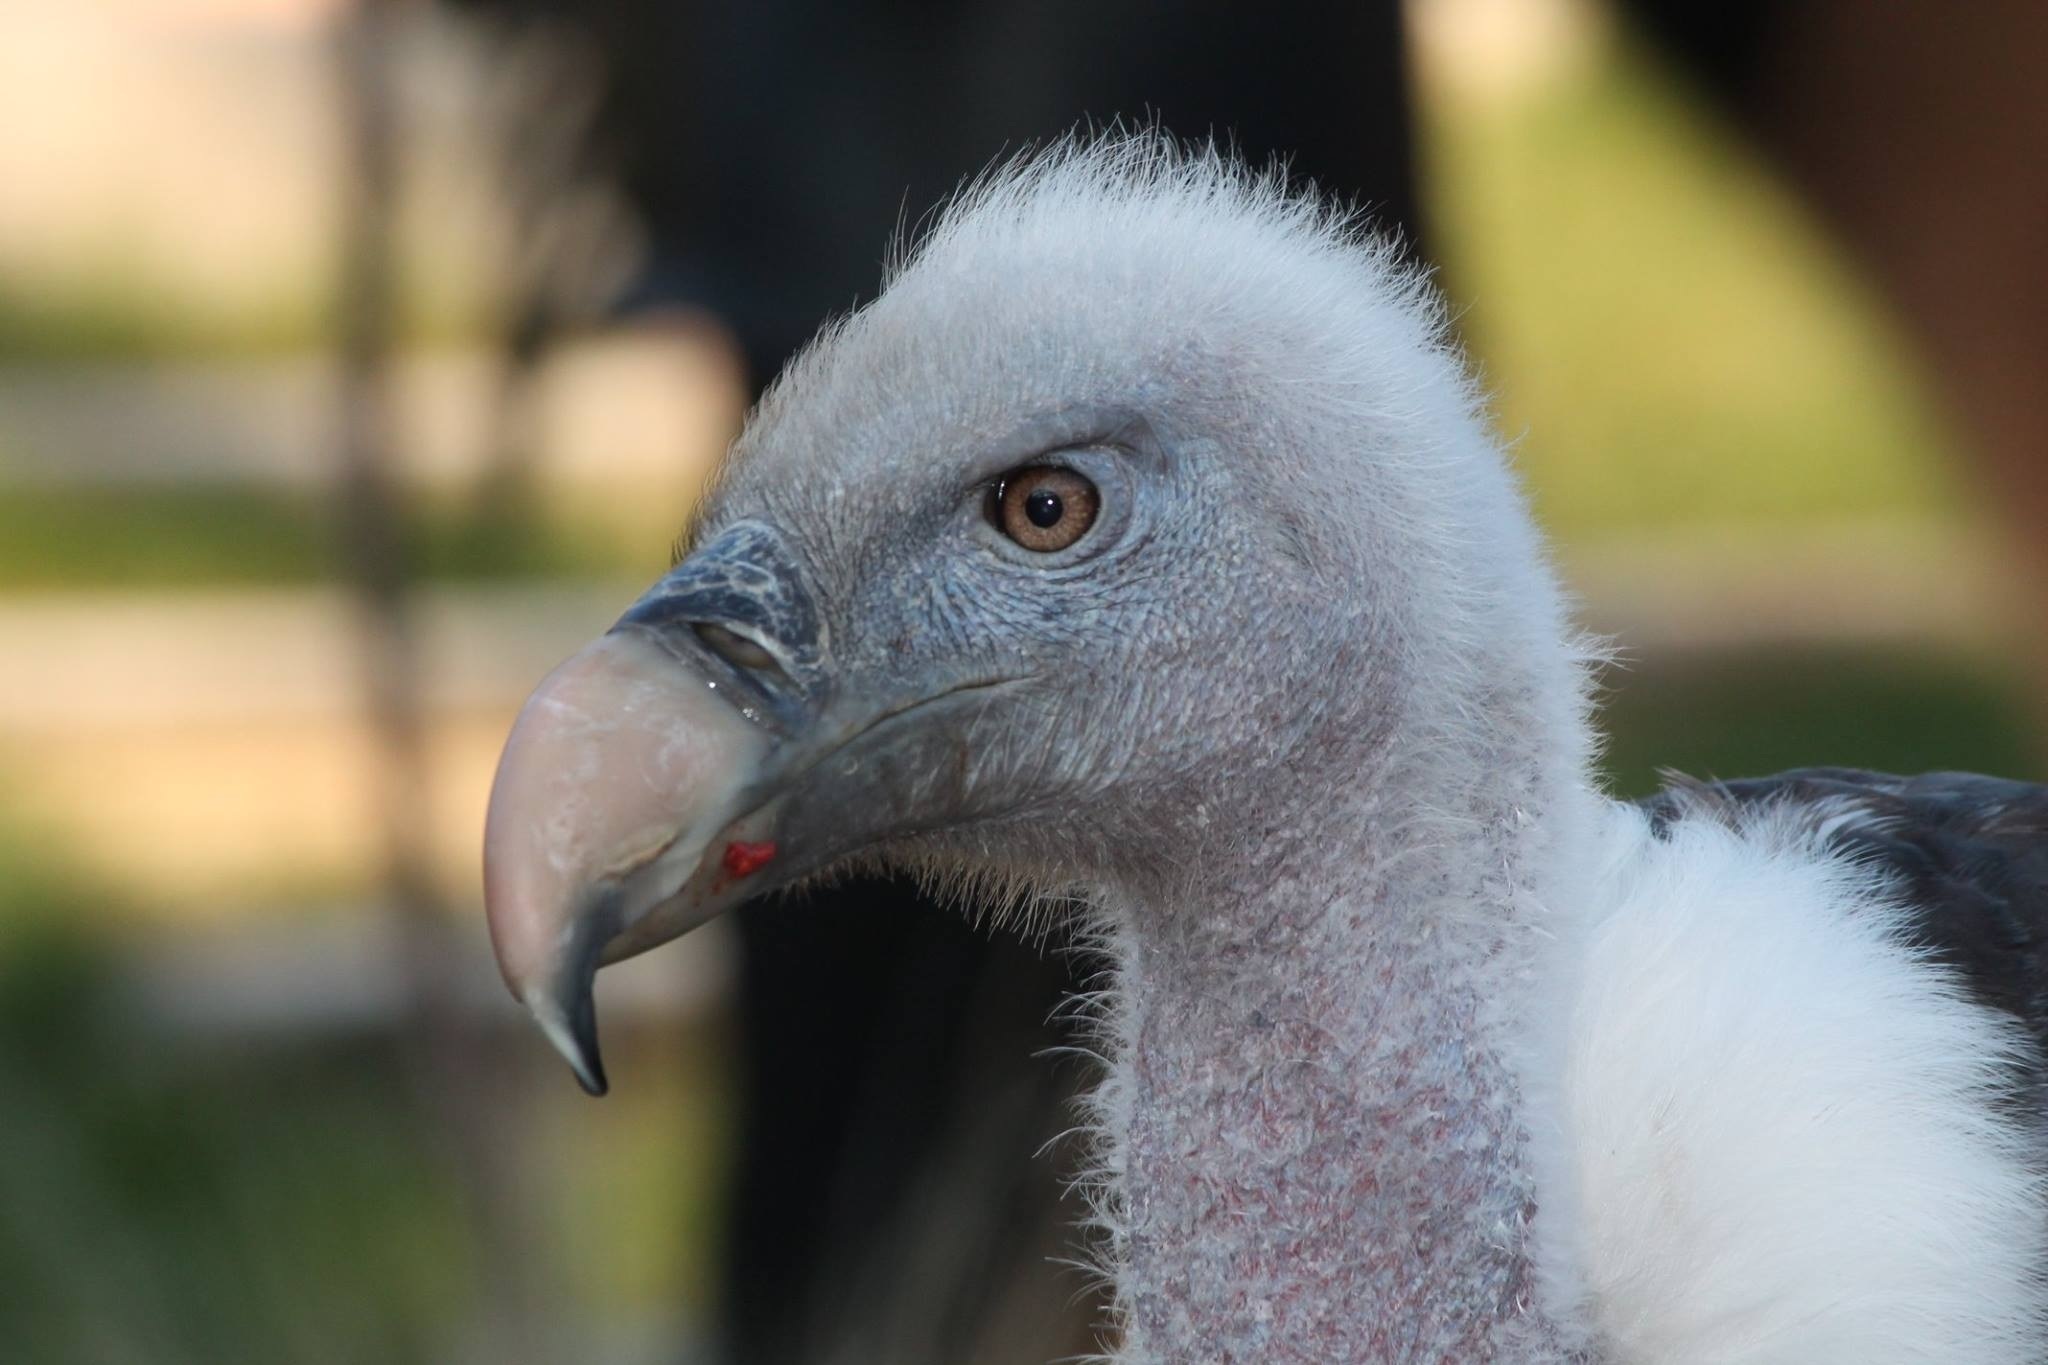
(323, 434)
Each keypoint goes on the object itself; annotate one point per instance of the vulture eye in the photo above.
(1044, 507)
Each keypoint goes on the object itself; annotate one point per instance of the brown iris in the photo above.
(1044, 507)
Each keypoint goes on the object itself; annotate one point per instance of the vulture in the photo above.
(1142, 547)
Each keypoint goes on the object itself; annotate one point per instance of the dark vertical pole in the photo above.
(473, 1122)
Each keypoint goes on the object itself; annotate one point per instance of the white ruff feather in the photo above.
(1780, 1129)
(1460, 1063)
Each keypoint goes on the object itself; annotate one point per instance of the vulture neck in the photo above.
(1317, 1131)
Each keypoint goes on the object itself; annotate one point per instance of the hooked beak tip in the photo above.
(574, 1035)
(567, 1014)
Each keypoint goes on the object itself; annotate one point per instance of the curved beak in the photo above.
(701, 754)
(629, 806)
(619, 771)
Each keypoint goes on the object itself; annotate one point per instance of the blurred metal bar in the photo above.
(462, 1109)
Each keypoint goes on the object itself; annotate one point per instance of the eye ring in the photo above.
(1044, 508)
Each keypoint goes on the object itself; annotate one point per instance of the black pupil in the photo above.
(1044, 508)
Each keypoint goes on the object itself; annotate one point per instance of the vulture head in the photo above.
(1140, 541)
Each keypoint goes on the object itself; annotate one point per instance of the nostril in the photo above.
(736, 649)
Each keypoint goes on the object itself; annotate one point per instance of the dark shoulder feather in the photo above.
(1969, 854)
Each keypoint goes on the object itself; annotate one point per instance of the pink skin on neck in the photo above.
(1321, 1146)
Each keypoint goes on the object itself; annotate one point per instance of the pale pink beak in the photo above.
(621, 768)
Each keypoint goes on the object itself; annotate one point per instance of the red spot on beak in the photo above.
(744, 860)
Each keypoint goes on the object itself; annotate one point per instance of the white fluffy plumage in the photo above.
(1781, 1133)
